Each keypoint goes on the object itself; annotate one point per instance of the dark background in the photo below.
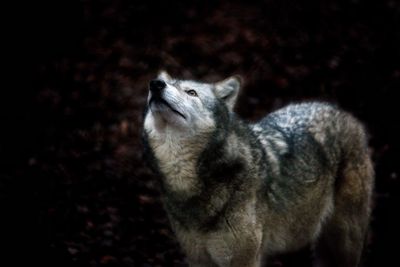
(74, 188)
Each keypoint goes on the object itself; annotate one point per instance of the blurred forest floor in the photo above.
(74, 188)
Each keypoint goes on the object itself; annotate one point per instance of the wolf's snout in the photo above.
(156, 86)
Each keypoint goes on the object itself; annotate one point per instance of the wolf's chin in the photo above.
(164, 117)
(160, 105)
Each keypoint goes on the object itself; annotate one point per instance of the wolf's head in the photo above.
(186, 106)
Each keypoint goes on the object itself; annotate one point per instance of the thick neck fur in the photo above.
(202, 168)
(177, 156)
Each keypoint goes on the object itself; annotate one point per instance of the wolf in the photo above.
(237, 192)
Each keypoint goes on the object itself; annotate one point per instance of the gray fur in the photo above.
(237, 192)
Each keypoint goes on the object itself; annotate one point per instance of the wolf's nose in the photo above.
(156, 86)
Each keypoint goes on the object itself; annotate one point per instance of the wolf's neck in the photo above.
(177, 158)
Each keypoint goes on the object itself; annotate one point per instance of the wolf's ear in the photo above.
(163, 75)
(228, 90)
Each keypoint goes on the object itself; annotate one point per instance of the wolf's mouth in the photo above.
(162, 101)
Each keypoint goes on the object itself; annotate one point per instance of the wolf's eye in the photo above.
(191, 92)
